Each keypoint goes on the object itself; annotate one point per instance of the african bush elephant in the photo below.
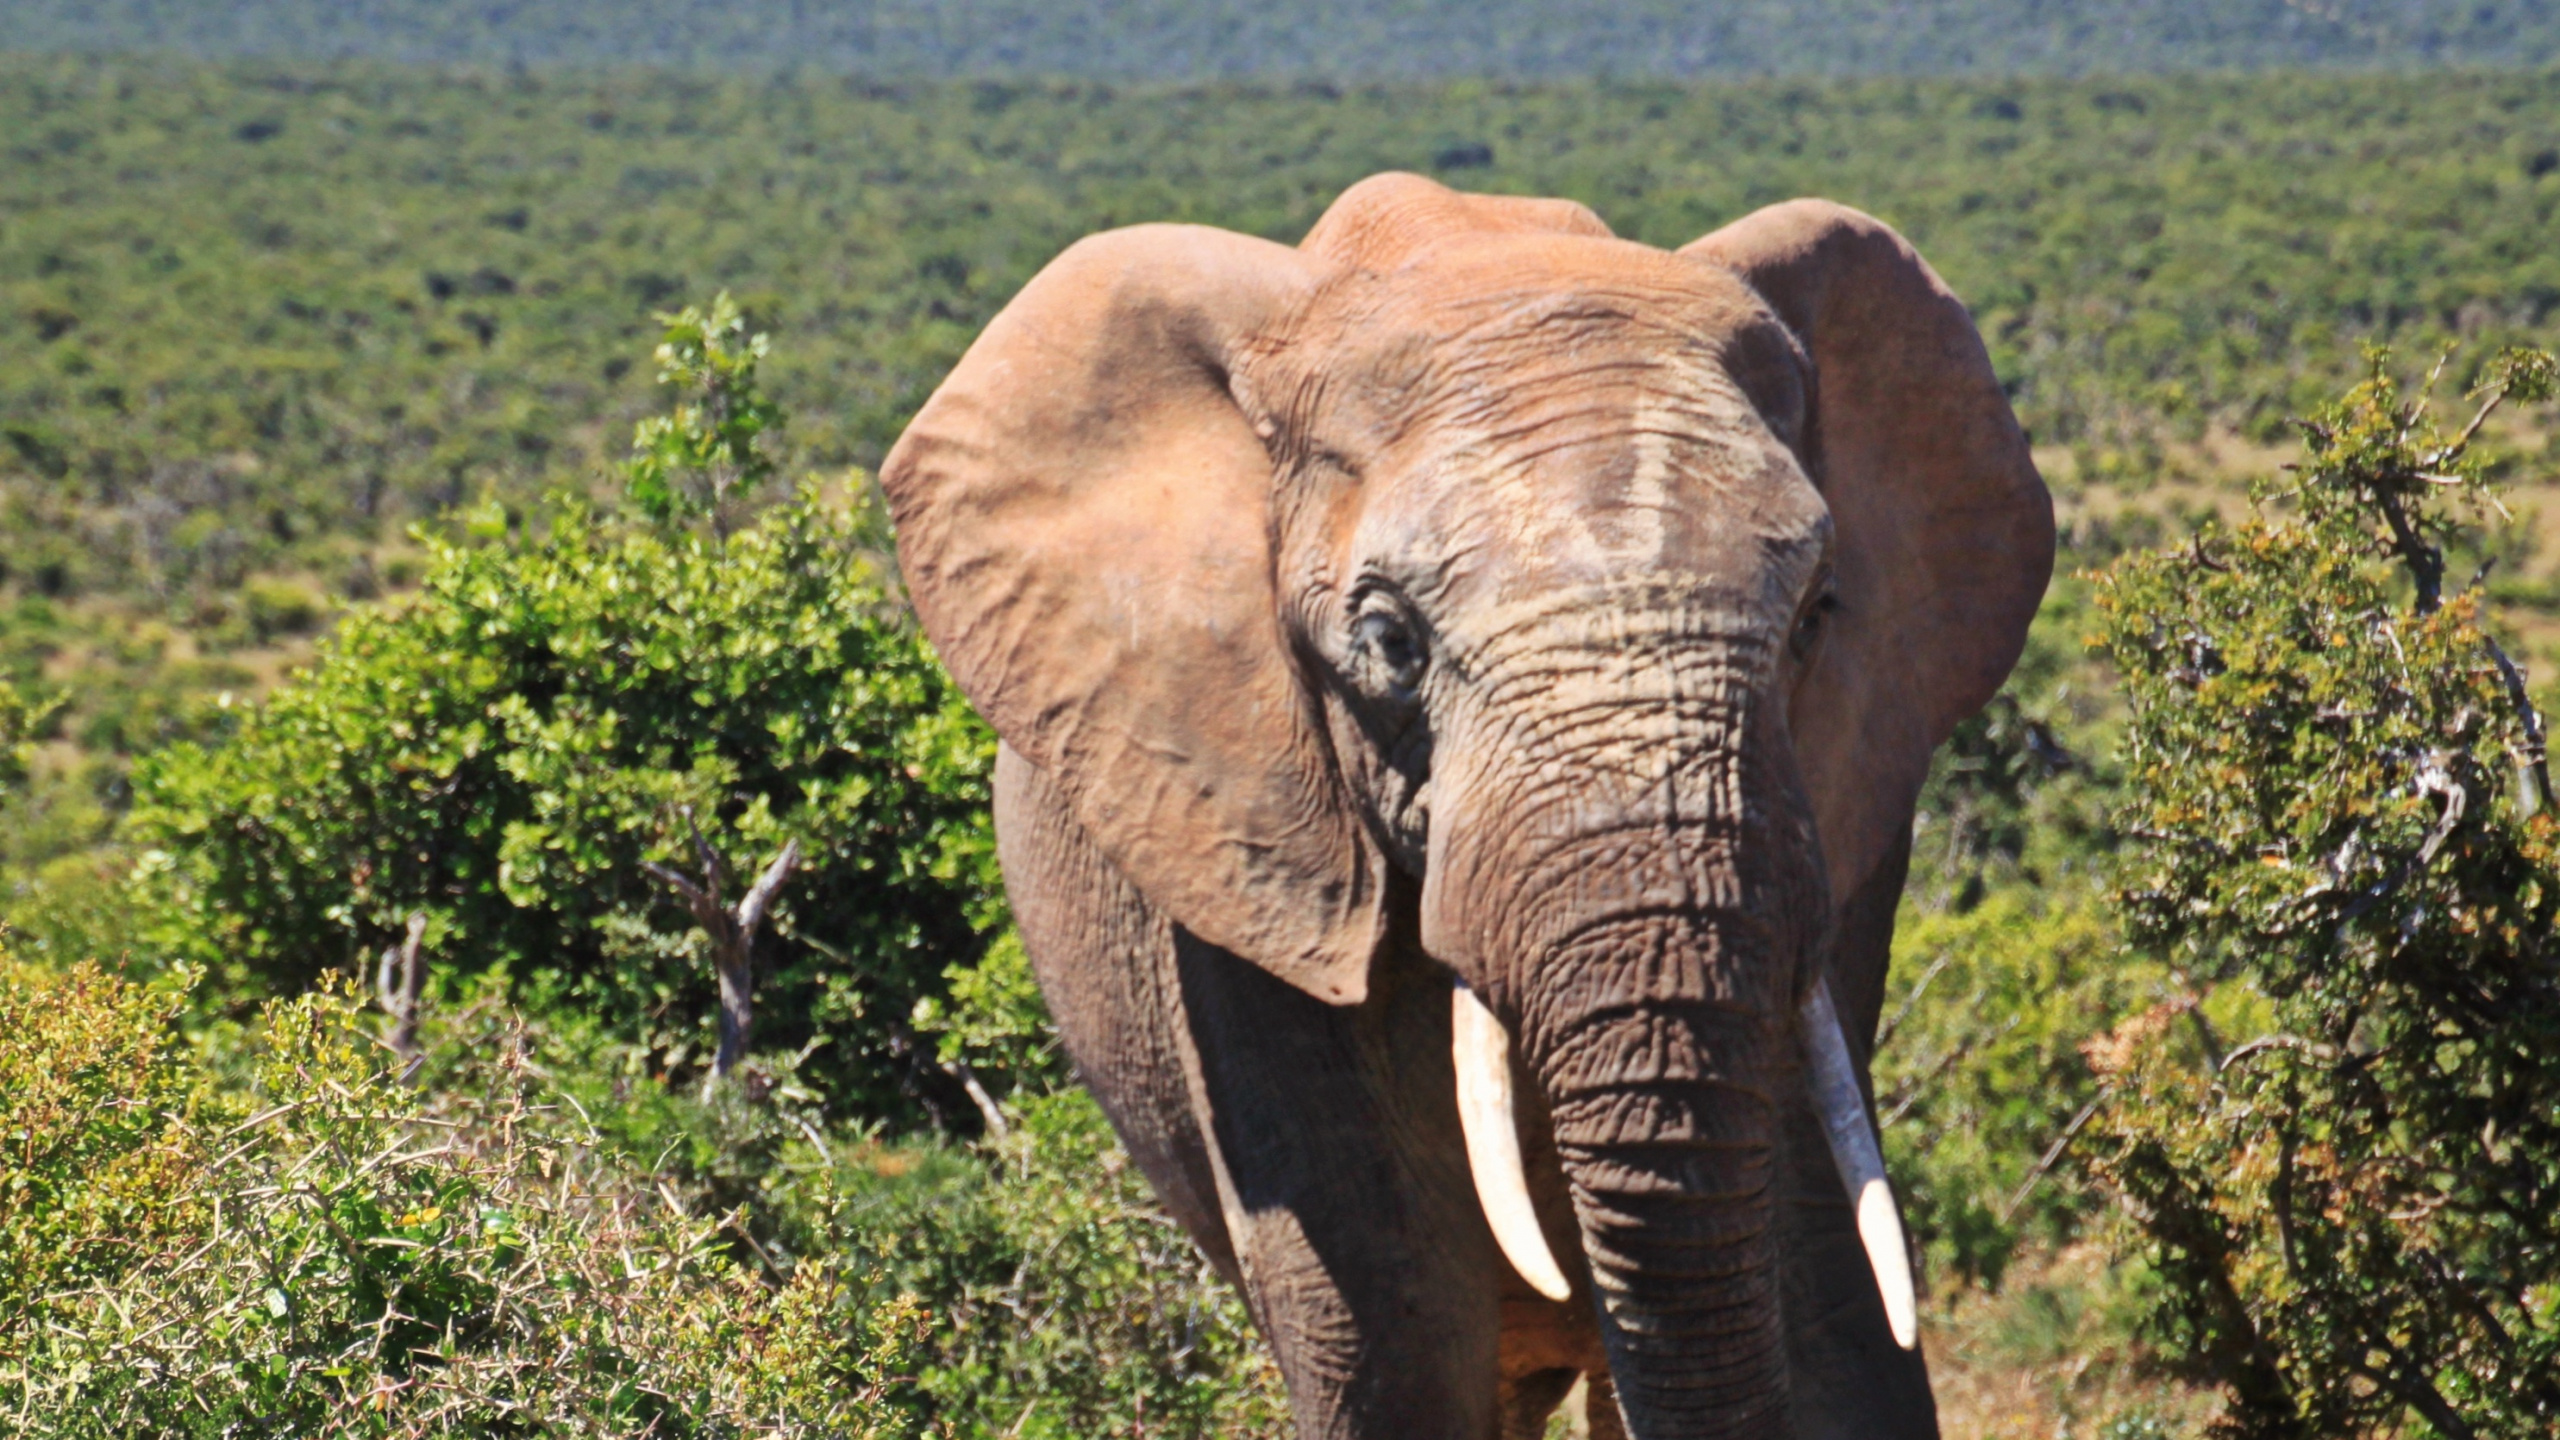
(1464, 685)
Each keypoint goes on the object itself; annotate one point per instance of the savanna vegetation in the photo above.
(502, 924)
(1202, 39)
(265, 320)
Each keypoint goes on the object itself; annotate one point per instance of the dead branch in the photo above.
(399, 984)
(2051, 1154)
(732, 934)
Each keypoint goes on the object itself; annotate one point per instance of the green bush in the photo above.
(506, 751)
(2346, 1180)
(268, 1234)
(2006, 960)
(564, 761)
(328, 1252)
(1980, 1084)
(20, 719)
(1068, 1305)
(91, 1091)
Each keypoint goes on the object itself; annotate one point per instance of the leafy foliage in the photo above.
(329, 1253)
(87, 1088)
(706, 455)
(1980, 1085)
(2006, 960)
(19, 719)
(507, 750)
(1050, 1274)
(286, 1237)
(2338, 786)
(1069, 1305)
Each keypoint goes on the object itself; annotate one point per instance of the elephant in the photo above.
(1463, 685)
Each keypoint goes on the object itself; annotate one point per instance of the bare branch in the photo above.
(2265, 1043)
(400, 983)
(709, 858)
(1894, 1025)
(2533, 773)
(1919, 1088)
(752, 909)
(680, 881)
(2052, 1153)
(987, 1108)
(2459, 443)
(2427, 392)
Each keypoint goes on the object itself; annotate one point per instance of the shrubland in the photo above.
(1201, 39)
(267, 318)
(527, 1199)
(287, 1239)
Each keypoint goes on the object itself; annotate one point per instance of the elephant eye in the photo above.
(1810, 624)
(1385, 642)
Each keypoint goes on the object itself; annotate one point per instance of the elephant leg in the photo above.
(1104, 958)
(1852, 1382)
(1364, 1251)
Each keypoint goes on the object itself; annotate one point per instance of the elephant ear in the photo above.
(1083, 524)
(1942, 530)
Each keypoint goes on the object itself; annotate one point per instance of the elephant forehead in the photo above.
(1535, 343)
(1634, 450)
(1542, 289)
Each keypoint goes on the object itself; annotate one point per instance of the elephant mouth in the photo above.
(1481, 1052)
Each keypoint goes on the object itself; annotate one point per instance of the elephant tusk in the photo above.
(1482, 1052)
(1861, 1160)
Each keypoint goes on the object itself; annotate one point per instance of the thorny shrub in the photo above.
(2338, 802)
(331, 1255)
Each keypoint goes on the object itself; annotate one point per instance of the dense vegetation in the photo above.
(266, 319)
(2338, 1136)
(279, 1238)
(534, 1197)
(1195, 39)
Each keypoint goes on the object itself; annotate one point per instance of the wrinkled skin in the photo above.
(1467, 594)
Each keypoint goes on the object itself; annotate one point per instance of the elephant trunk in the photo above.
(1666, 1111)
(1640, 909)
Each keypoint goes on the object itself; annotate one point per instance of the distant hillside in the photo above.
(1194, 39)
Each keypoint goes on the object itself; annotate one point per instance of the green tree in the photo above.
(566, 747)
(510, 752)
(706, 455)
(2348, 1181)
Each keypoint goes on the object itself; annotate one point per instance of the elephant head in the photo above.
(1615, 596)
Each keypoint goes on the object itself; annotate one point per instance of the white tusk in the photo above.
(1861, 1161)
(1482, 1052)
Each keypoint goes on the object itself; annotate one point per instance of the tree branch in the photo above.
(732, 935)
(1894, 1025)
(988, 1110)
(751, 910)
(695, 898)
(2052, 1153)
(2533, 767)
(401, 982)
